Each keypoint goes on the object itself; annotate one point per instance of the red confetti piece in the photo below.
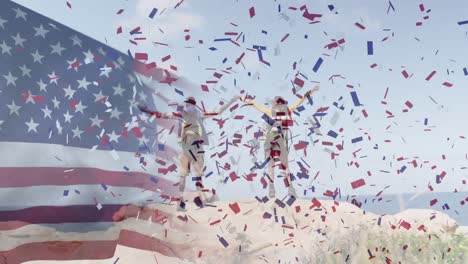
(447, 84)
(69, 5)
(120, 11)
(151, 65)
(141, 56)
(252, 12)
(285, 37)
(166, 58)
(358, 183)
(360, 26)
(405, 74)
(421, 7)
(235, 208)
(137, 132)
(299, 82)
(431, 75)
(204, 88)
(409, 104)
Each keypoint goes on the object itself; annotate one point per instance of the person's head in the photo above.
(190, 104)
(279, 102)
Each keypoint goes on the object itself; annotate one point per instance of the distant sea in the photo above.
(448, 203)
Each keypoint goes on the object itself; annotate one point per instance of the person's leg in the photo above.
(271, 174)
(184, 171)
(198, 165)
(284, 158)
(270, 169)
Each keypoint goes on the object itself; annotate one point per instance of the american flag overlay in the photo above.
(69, 131)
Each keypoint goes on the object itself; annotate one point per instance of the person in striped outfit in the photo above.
(276, 146)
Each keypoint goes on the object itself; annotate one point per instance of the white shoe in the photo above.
(292, 191)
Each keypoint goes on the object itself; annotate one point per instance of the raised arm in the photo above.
(222, 109)
(260, 108)
(158, 114)
(300, 101)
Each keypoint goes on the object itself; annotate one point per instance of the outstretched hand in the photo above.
(316, 88)
(245, 100)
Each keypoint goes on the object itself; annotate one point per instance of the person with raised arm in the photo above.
(192, 138)
(276, 146)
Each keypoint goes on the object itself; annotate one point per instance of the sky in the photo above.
(438, 44)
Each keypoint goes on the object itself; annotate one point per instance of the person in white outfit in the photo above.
(192, 138)
(276, 137)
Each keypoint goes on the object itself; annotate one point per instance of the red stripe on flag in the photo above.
(37, 176)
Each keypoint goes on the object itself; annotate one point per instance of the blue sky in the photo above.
(208, 20)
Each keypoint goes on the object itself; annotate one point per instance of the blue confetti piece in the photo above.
(331, 7)
(264, 32)
(179, 91)
(126, 168)
(153, 12)
(305, 77)
(212, 48)
(104, 186)
(261, 166)
(77, 192)
(425, 121)
(129, 54)
(306, 36)
(143, 148)
(197, 178)
(462, 22)
(309, 98)
(370, 48)
(179, 108)
(161, 147)
(319, 114)
(224, 61)
(465, 71)
(332, 134)
(258, 47)
(117, 260)
(291, 200)
(355, 140)
(300, 108)
(65, 193)
(279, 8)
(113, 54)
(222, 39)
(268, 119)
(317, 64)
(402, 169)
(209, 174)
(153, 179)
(142, 159)
(355, 99)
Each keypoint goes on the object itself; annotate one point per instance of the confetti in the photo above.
(252, 12)
(370, 48)
(317, 64)
(358, 183)
(153, 12)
